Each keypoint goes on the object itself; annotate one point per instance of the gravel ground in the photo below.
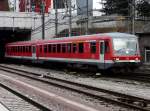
(14, 103)
(131, 87)
(65, 93)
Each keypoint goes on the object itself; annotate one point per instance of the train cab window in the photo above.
(45, 48)
(63, 48)
(54, 48)
(69, 47)
(49, 48)
(93, 47)
(81, 47)
(58, 48)
(74, 48)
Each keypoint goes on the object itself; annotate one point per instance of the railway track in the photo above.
(102, 94)
(31, 102)
(137, 76)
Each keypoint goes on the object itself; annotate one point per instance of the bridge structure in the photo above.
(14, 26)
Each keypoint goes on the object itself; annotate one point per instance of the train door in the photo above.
(33, 51)
(102, 54)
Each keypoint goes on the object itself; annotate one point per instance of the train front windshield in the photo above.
(125, 46)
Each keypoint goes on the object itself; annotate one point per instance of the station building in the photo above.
(4, 5)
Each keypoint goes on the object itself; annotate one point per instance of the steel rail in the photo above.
(26, 98)
(99, 93)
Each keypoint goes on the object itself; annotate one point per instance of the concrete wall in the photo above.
(144, 42)
(16, 19)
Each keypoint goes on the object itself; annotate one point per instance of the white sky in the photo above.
(96, 4)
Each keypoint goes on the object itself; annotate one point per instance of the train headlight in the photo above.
(136, 58)
(117, 59)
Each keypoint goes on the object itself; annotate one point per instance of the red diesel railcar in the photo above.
(104, 51)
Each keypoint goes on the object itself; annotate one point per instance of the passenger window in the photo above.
(54, 48)
(14, 49)
(58, 48)
(93, 47)
(69, 47)
(81, 48)
(49, 48)
(40, 48)
(74, 48)
(29, 48)
(106, 47)
(63, 48)
(24, 49)
(17, 48)
(45, 48)
(21, 49)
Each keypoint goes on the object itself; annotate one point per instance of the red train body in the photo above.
(104, 51)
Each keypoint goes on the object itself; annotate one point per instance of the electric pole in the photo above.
(133, 16)
(70, 21)
(87, 18)
(56, 18)
(43, 20)
(14, 5)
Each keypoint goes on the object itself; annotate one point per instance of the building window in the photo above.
(59, 4)
(147, 54)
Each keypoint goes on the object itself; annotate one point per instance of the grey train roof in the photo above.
(112, 35)
(117, 34)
